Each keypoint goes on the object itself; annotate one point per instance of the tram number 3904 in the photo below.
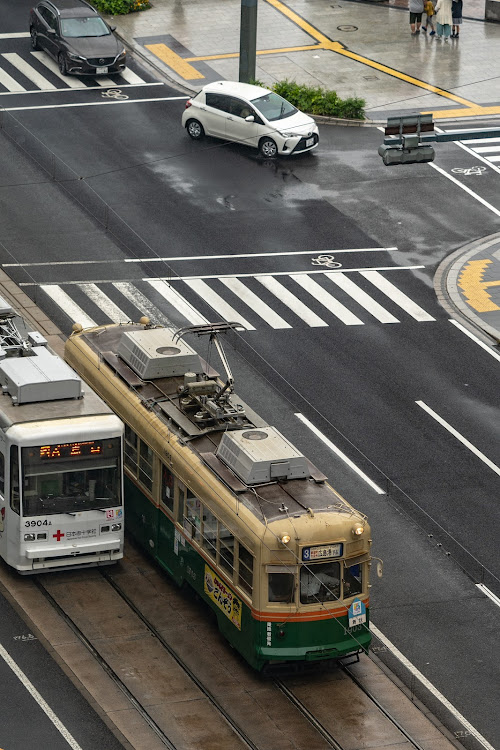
(29, 524)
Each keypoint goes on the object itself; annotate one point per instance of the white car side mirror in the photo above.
(250, 118)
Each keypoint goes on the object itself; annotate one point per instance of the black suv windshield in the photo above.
(274, 107)
(79, 27)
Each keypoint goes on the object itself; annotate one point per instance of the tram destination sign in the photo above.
(322, 552)
(71, 450)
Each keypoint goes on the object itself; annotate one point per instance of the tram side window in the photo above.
(353, 581)
(167, 488)
(245, 569)
(145, 465)
(193, 516)
(14, 479)
(226, 550)
(130, 449)
(281, 586)
(209, 538)
(320, 583)
(2, 474)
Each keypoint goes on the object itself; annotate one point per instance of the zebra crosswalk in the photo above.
(490, 151)
(29, 71)
(259, 301)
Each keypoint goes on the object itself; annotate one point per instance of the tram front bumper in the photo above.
(71, 550)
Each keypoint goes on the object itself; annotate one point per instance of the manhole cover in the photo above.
(347, 28)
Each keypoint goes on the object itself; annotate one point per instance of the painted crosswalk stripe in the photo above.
(106, 82)
(487, 149)
(28, 71)
(102, 301)
(49, 63)
(255, 303)
(493, 158)
(399, 298)
(326, 299)
(67, 305)
(291, 301)
(141, 302)
(361, 297)
(219, 304)
(130, 76)
(10, 83)
(177, 301)
(474, 141)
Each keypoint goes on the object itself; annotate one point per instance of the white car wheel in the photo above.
(195, 129)
(268, 148)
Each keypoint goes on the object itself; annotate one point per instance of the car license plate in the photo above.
(101, 71)
(309, 142)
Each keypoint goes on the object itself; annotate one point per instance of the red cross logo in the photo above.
(58, 535)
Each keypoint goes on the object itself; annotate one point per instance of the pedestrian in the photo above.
(456, 15)
(416, 8)
(443, 19)
(429, 12)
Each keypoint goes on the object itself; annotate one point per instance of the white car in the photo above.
(251, 115)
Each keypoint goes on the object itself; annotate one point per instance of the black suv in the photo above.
(76, 36)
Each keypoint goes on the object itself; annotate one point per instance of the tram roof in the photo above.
(269, 501)
(72, 408)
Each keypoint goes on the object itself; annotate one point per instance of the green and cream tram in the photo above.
(225, 503)
(61, 473)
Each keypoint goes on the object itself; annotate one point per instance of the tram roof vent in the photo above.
(152, 353)
(41, 376)
(261, 455)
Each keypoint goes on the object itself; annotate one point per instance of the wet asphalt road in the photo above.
(168, 197)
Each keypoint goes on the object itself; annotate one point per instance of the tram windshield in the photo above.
(71, 477)
(320, 583)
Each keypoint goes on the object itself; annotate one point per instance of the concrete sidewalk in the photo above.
(359, 49)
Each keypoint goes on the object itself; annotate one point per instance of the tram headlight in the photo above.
(284, 538)
(29, 537)
(116, 527)
(358, 529)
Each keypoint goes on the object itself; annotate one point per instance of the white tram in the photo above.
(61, 473)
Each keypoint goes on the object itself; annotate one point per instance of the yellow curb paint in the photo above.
(228, 55)
(474, 288)
(472, 111)
(174, 61)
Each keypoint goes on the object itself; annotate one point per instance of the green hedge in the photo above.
(120, 7)
(318, 101)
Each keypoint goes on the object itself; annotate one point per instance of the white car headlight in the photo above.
(289, 135)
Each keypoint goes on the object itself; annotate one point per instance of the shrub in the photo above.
(318, 101)
(120, 7)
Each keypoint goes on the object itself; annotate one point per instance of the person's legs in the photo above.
(439, 30)
(446, 31)
(419, 22)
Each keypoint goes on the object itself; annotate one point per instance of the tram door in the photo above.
(3, 509)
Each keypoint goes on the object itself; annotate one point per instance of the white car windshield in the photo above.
(274, 107)
(78, 27)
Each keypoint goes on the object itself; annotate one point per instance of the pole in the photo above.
(248, 40)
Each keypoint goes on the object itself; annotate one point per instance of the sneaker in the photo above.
(432, 33)
(417, 31)
(424, 28)
(446, 39)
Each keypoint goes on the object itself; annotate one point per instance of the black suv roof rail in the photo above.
(53, 4)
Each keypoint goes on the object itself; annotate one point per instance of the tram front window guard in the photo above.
(68, 485)
(320, 583)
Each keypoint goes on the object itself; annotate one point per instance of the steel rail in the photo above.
(106, 667)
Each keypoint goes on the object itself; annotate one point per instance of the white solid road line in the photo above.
(38, 698)
(102, 301)
(340, 454)
(291, 301)
(484, 346)
(255, 303)
(15, 35)
(430, 687)
(220, 305)
(177, 301)
(327, 300)
(459, 437)
(361, 297)
(97, 104)
(494, 598)
(72, 310)
(399, 298)
(28, 71)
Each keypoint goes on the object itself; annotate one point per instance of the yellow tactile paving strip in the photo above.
(471, 282)
(183, 66)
